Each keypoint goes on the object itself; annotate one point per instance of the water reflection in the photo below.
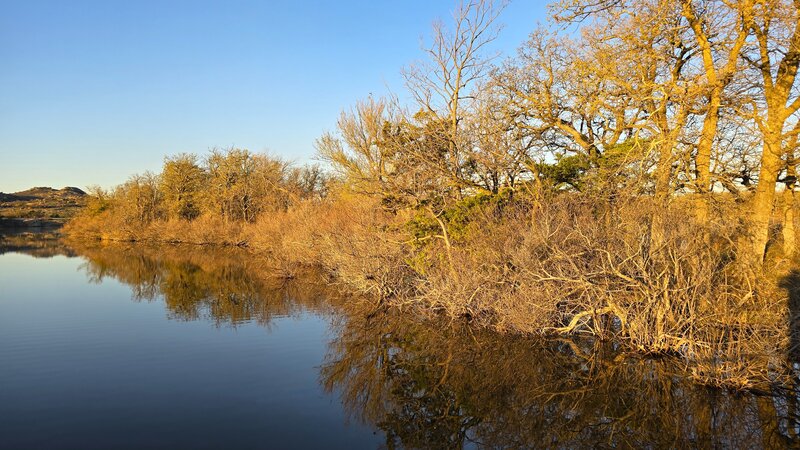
(85, 367)
(426, 385)
(423, 384)
(197, 283)
(38, 245)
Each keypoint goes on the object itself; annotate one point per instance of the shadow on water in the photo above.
(429, 385)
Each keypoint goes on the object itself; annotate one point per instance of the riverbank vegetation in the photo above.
(629, 175)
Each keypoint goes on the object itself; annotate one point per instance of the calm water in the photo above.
(135, 347)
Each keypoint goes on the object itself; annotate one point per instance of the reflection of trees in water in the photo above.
(44, 244)
(424, 384)
(200, 283)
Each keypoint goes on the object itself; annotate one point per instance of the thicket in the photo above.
(629, 175)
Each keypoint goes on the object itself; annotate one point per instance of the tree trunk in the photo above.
(789, 231)
(662, 192)
(703, 159)
(764, 198)
(446, 237)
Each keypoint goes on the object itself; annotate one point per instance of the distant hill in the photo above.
(40, 206)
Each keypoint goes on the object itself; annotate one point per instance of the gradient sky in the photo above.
(93, 92)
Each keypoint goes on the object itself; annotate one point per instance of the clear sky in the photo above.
(92, 92)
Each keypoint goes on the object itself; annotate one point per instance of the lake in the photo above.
(171, 347)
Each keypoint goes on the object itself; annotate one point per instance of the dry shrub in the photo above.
(359, 243)
(350, 237)
(647, 276)
(483, 283)
(205, 230)
(102, 226)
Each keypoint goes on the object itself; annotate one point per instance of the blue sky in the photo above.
(93, 92)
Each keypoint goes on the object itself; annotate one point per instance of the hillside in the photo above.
(40, 206)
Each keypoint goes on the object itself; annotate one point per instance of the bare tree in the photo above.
(458, 59)
(775, 101)
(721, 33)
(358, 151)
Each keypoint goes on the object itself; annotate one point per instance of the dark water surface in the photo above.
(137, 347)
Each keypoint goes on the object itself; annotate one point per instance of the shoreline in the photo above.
(712, 373)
